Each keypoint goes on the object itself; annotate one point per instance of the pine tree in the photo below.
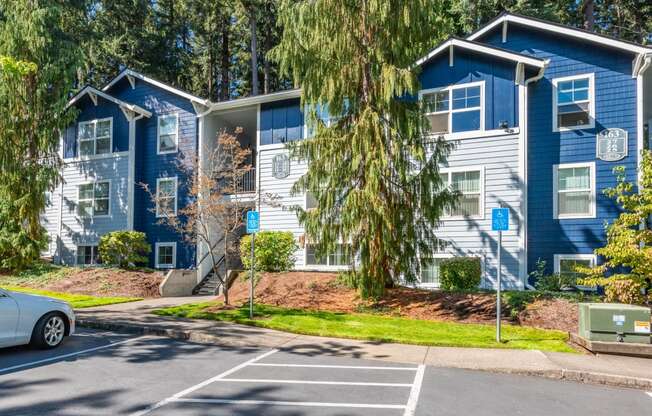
(39, 57)
(376, 184)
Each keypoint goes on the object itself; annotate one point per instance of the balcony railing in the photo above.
(247, 184)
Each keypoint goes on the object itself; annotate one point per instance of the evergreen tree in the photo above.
(39, 57)
(376, 184)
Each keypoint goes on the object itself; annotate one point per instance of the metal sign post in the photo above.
(253, 226)
(500, 223)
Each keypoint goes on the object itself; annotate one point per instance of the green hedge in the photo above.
(460, 273)
(124, 248)
(274, 251)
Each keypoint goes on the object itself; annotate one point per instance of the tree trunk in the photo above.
(268, 46)
(225, 63)
(254, 51)
(589, 20)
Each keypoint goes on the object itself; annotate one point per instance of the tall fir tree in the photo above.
(376, 182)
(39, 58)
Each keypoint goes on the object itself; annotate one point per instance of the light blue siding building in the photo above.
(539, 113)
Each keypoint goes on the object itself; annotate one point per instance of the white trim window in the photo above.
(574, 190)
(430, 274)
(165, 255)
(87, 255)
(167, 133)
(95, 137)
(166, 197)
(573, 104)
(310, 202)
(565, 263)
(454, 109)
(340, 257)
(94, 199)
(469, 181)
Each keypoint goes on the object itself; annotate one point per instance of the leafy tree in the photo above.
(39, 57)
(628, 252)
(375, 178)
(124, 248)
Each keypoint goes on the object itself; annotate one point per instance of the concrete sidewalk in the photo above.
(598, 369)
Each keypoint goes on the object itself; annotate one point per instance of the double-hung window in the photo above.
(168, 134)
(93, 199)
(95, 136)
(470, 184)
(430, 274)
(573, 102)
(455, 109)
(166, 255)
(166, 197)
(574, 190)
(87, 255)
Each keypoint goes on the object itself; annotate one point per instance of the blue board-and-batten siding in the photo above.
(150, 166)
(501, 92)
(615, 106)
(89, 111)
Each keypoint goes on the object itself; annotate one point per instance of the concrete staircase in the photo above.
(210, 284)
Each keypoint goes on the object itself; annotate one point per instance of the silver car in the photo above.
(37, 320)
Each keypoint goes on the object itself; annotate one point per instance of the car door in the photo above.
(9, 315)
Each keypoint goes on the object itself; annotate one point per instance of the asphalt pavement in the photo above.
(108, 373)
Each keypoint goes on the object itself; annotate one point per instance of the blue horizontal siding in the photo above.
(150, 166)
(615, 106)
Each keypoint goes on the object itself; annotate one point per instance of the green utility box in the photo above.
(614, 322)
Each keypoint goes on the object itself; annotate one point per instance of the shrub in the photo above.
(460, 273)
(623, 290)
(124, 248)
(274, 251)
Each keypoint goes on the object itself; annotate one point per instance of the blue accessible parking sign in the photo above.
(253, 222)
(500, 219)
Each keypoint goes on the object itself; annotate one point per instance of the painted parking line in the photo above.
(352, 367)
(201, 385)
(414, 393)
(649, 393)
(300, 404)
(331, 383)
(64, 356)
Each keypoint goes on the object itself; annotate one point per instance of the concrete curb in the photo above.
(579, 376)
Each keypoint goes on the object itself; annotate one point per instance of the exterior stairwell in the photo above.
(210, 284)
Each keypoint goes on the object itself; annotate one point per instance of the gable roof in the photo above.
(506, 18)
(92, 91)
(129, 73)
(484, 49)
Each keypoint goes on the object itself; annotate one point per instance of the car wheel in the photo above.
(49, 331)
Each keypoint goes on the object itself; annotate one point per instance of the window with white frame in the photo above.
(311, 201)
(340, 257)
(470, 184)
(93, 199)
(166, 255)
(455, 109)
(166, 197)
(87, 255)
(573, 102)
(168, 133)
(430, 274)
(95, 137)
(574, 190)
(567, 264)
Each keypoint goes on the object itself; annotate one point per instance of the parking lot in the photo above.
(106, 373)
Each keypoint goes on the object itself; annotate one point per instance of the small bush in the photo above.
(124, 248)
(460, 273)
(274, 251)
(624, 291)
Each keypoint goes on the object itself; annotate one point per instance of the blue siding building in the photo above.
(540, 114)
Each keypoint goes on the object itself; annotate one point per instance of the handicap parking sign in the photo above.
(253, 222)
(500, 219)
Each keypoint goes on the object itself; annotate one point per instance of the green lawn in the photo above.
(77, 301)
(379, 328)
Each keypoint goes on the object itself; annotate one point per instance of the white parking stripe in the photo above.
(414, 393)
(353, 367)
(201, 385)
(64, 356)
(282, 403)
(649, 393)
(333, 383)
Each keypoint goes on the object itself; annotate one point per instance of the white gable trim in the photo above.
(136, 75)
(94, 93)
(488, 50)
(562, 30)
